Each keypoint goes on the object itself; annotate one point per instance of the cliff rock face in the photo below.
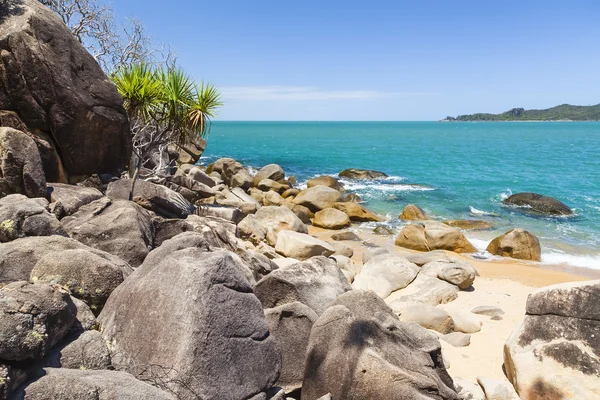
(50, 85)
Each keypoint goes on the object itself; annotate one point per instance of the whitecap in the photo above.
(475, 211)
(555, 257)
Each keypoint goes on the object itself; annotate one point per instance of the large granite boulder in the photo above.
(431, 235)
(21, 169)
(423, 290)
(33, 318)
(412, 213)
(555, 352)
(330, 218)
(516, 243)
(363, 174)
(272, 171)
(121, 228)
(279, 219)
(315, 283)
(301, 246)
(60, 93)
(459, 273)
(233, 173)
(539, 203)
(328, 181)
(317, 197)
(86, 350)
(189, 319)
(385, 273)
(68, 199)
(198, 175)
(90, 277)
(157, 198)
(357, 213)
(19, 257)
(71, 384)
(21, 216)
(354, 354)
(290, 325)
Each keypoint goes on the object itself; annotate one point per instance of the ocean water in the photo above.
(451, 170)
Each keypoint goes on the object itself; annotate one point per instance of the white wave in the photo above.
(387, 187)
(475, 211)
(578, 260)
(506, 194)
(480, 244)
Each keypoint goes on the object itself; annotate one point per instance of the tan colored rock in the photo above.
(516, 243)
(270, 185)
(290, 193)
(326, 180)
(432, 235)
(358, 213)
(353, 173)
(342, 249)
(412, 213)
(330, 218)
(301, 246)
(429, 317)
(272, 198)
(279, 219)
(272, 171)
(318, 197)
(459, 273)
(465, 321)
(501, 389)
(475, 224)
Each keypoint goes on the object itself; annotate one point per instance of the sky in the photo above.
(381, 60)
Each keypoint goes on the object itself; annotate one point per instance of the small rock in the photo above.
(497, 389)
(457, 339)
(412, 213)
(429, 317)
(489, 311)
(342, 249)
(345, 236)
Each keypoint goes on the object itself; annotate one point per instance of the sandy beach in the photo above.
(502, 283)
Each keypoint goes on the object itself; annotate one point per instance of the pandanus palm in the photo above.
(165, 107)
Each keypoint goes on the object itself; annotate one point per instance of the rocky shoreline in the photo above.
(211, 283)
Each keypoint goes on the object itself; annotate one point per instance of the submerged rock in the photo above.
(539, 203)
(353, 173)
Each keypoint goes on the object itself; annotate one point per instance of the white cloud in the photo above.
(295, 93)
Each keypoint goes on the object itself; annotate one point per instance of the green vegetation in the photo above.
(564, 112)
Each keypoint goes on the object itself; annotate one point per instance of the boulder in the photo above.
(373, 252)
(19, 257)
(290, 325)
(538, 203)
(423, 290)
(89, 277)
(364, 303)
(272, 198)
(252, 230)
(87, 351)
(60, 93)
(187, 313)
(301, 246)
(465, 321)
(473, 224)
(157, 198)
(429, 317)
(348, 267)
(191, 189)
(355, 355)
(231, 214)
(342, 249)
(290, 193)
(489, 311)
(121, 228)
(317, 197)
(71, 197)
(330, 218)
(357, 213)
(383, 230)
(384, 274)
(501, 389)
(516, 243)
(33, 318)
(555, 352)
(468, 390)
(315, 283)
(198, 175)
(279, 219)
(272, 171)
(459, 273)
(233, 173)
(70, 384)
(363, 174)
(21, 169)
(267, 185)
(424, 258)
(21, 216)
(412, 213)
(303, 213)
(346, 236)
(429, 236)
(457, 339)
(326, 180)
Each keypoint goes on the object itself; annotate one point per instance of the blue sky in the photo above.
(381, 60)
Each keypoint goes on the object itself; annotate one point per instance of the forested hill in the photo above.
(564, 112)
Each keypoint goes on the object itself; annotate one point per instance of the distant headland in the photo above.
(564, 112)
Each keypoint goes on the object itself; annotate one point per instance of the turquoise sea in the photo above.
(451, 170)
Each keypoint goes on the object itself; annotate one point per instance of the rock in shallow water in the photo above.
(539, 203)
(516, 243)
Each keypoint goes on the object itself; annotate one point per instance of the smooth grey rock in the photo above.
(457, 339)
(21, 216)
(301, 246)
(72, 197)
(539, 203)
(21, 169)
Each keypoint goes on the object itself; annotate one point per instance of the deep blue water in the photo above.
(465, 169)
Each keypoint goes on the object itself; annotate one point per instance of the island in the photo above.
(564, 112)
